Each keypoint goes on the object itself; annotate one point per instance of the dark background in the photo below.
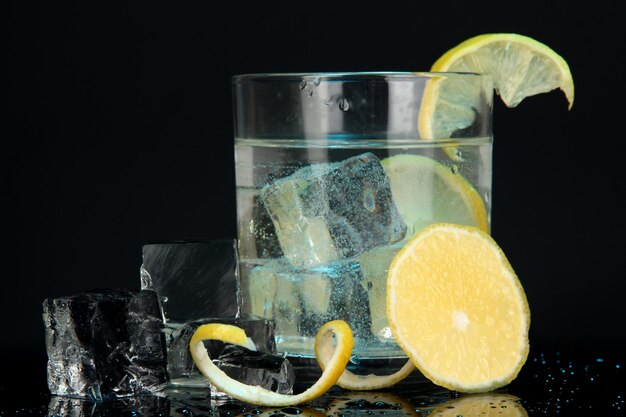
(119, 133)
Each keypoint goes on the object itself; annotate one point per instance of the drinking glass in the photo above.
(335, 172)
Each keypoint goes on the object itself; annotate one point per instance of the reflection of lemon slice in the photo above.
(334, 335)
(359, 403)
(457, 309)
(518, 65)
(427, 192)
(482, 405)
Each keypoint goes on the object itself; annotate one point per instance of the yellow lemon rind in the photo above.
(351, 381)
(343, 344)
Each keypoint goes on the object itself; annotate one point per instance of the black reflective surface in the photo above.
(552, 383)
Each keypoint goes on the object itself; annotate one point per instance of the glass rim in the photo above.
(351, 76)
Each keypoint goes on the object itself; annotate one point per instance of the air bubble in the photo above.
(344, 105)
(455, 169)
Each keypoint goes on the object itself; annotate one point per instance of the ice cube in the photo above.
(257, 235)
(301, 300)
(374, 267)
(257, 368)
(143, 405)
(331, 211)
(194, 279)
(105, 343)
(180, 365)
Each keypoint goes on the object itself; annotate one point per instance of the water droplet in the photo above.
(302, 84)
(316, 81)
(292, 410)
(164, 299)
(458, 153)
(310, 92)
(455, 169)
(344, 105)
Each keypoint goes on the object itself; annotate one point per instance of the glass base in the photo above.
(307, 371)
(363, 349)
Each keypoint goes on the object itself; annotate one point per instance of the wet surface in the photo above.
(552, 383)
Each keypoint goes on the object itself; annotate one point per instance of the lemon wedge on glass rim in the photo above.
(518, 66)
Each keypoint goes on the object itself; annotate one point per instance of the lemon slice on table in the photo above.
(457, 309)
(427, 192)
(519, 67)
(335, 334)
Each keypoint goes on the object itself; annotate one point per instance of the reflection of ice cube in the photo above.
(105, 343)
(142, 405)
(328, 212)
(301, 301)
(194, 279)
(374, 267)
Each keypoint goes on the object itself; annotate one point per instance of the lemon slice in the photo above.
(335, 333)
(457, 309)
(427, 192)
(518, 65)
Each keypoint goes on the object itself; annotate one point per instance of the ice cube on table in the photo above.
(331, 211)
(301, 300)
(180, 365)
(105, 344)
(271, 372)
(193, 279)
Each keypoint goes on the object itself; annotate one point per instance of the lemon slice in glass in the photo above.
(334, 335)
(457, 309)
(427, 192)
(519, 67)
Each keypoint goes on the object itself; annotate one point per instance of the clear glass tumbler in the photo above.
(334, 173)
